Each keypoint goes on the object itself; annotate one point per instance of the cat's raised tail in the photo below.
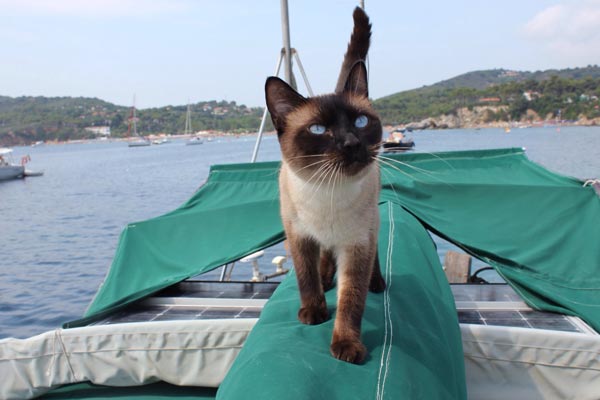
(357, 48)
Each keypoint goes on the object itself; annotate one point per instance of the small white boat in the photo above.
(8, 170)
(160, 141)
(139, 143)
(30, 173)
(194, 141)
(397, 142)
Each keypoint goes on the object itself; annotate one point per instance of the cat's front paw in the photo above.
(352, 351)
(313, 315)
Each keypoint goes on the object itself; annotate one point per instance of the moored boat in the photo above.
(8, 170)
(138, 141)
(397, 142)
(193, 140)
(494, 340)
(161, 141)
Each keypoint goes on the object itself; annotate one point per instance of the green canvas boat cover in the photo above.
(410, 330)
(539, 230)
(235, 213)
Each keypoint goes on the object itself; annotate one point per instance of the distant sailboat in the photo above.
(138, 140)
(188, 129)
(8, 170)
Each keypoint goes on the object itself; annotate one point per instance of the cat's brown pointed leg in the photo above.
(355, 264)
(377, 284)
(327, 269)
(305, 253)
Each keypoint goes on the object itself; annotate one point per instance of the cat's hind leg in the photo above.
(377, 284)
(327, 269)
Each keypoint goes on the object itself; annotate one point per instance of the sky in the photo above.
(169, 52)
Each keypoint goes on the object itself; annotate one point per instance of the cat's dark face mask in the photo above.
(336, 133)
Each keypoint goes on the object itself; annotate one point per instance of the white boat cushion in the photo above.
(189, 353)
(520, 363)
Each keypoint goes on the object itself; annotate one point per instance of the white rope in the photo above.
(591, 182)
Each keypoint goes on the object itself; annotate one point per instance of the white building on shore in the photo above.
(99, 130)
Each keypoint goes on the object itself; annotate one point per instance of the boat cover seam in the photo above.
(387, 312)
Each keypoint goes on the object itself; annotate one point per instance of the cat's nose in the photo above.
(350, 141)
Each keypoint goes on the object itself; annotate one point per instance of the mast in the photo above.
(188, 121)
(134, 118)
(129, 124)
(287, 47)
(285, 57)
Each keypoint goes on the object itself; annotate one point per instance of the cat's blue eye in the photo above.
(361, 121)
(317, 129)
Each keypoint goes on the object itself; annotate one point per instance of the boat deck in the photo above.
(489, 304)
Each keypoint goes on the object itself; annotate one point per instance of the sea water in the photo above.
(58, 232)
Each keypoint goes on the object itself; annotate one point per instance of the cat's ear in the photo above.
(356, 82)
(281, 100)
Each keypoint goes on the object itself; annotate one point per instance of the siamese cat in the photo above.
(329, 189)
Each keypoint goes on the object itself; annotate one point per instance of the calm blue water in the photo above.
(58, 232)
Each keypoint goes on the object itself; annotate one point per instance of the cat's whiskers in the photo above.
(322, 169)
(337, 173)
(392, 166)
(422, 170)
(312, 164)
(388, 173)
(324, 175)
(377, 146)
(307, 156)
(390, 163)
(322, 172)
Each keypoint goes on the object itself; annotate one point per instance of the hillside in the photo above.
(500, 95)
(24, 120)
(486, 78)
(472, 99)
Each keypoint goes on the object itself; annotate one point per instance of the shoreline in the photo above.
(427, 124)
(453, 122)
(207, 136)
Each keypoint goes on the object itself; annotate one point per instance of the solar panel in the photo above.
(521, 319)
(489, 304)
(192, 300)
(500, 305)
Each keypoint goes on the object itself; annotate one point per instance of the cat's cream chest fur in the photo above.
(337, 212)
